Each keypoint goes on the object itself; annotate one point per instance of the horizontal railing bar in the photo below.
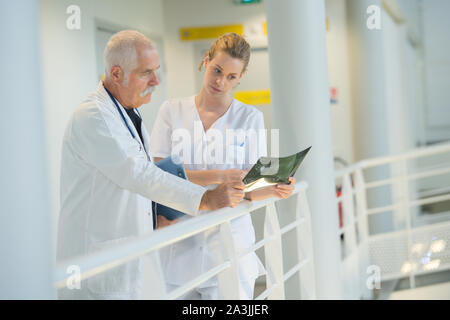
(425, 174)
(417, 153)
(100, 261)
(292, 225)
(433, 192)
(403, 232)
(197, 281)
(411, 203)
(383, 209)
(411, 176)
(399, 275)
(295, 269)
(379, 183)
(347, 170)
(435, 199)
(256, 246)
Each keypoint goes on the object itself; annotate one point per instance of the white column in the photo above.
(369, 99)
(301, 110)
(25, 243)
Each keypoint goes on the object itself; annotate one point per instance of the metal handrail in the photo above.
(106, 259)
(358, 224)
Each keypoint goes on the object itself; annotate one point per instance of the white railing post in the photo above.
(229, 279)
(274, 254)
(348, 214)
(305, 248)
(361, 205)
(153, 274)
(404, 208)
(363, 230)
(351, 260)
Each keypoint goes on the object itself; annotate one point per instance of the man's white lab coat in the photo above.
(107, 182)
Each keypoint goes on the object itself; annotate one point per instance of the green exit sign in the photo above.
(246, 1)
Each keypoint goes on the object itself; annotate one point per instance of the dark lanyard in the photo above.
(123, 117)
(121, 113)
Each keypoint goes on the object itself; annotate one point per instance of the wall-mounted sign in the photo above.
(213, 32)
(246, 1)
(261, 97)
(333, 95)
(254, 97)
(209, 32)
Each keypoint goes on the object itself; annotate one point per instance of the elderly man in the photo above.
(107, 177)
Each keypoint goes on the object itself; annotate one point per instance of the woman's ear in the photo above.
(242, 74)
(205, 60)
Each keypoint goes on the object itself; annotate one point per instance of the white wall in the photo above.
(395, 44)
(436, 31)
(183, 56)
(428, 73)
(339, 77)
(69, 69)
(181, 71)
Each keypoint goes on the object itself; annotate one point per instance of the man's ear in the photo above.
(116, 74)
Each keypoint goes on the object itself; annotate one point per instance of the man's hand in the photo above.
(162, 222)
(225, 195)
(231, 175)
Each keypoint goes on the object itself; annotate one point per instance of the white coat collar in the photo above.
(107, 99)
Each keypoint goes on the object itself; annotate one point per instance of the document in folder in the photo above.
(168, 164)
(269, 171)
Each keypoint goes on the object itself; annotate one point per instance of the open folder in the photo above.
(269, 171)
(173, 166)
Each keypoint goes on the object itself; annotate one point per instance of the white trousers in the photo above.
(246, 289)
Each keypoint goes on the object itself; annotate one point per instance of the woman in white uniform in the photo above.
(217, 139)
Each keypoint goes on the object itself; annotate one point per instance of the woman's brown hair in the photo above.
(232, 44)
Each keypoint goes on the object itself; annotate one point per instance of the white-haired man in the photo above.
(107, 177)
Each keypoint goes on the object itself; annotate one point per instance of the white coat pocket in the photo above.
(121, 280)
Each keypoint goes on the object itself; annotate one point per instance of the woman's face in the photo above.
(222, 73)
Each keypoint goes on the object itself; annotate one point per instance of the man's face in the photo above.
(141, 80)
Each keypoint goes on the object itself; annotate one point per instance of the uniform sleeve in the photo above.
(106, 144)
(160, 139)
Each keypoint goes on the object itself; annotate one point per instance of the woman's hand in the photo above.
(231, 175)
(162, 222)
(280, 190)
(284, 191)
